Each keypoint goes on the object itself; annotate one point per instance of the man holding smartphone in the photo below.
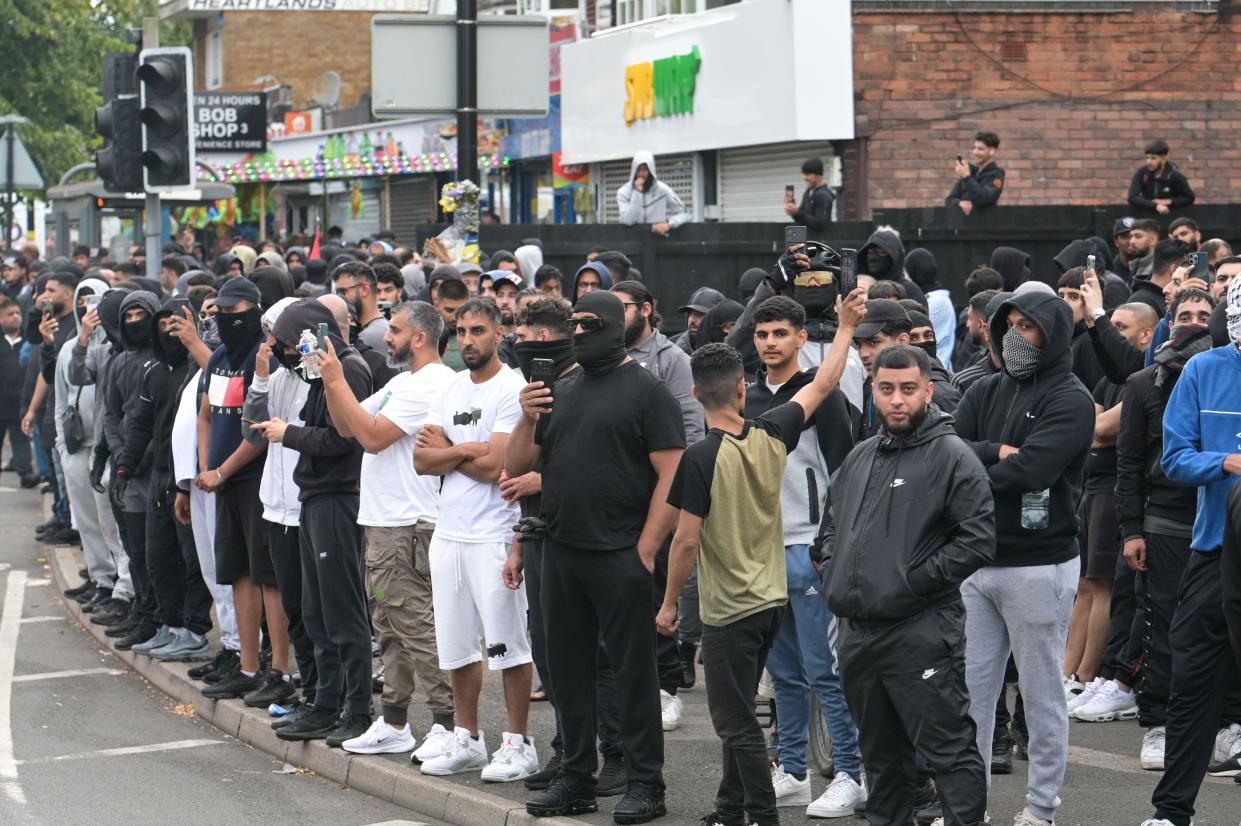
(815, 210)
(980, 182)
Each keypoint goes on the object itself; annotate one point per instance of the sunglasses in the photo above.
(813, 279)
(588, 325)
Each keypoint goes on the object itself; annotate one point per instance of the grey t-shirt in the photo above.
(373, 334)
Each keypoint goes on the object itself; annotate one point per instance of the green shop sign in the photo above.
(661, 88)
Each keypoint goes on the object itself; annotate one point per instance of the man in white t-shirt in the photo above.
(398, 510)
(463, 440)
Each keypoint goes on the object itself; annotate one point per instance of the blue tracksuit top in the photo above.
(1201, 426)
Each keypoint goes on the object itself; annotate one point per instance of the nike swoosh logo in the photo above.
(929, 673)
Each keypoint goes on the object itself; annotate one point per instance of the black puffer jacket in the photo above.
(909, 519)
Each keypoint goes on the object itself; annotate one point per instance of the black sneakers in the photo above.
(235, 685)
(559, 800)
(348, 727)
(612, 778)
(640, 804)
(122, 628)
(542, 779)
(229, 666)
(112, 612)
(141, 632)
(313, 724)
(71, 593)
(1002, 753)
(299, 710)
(272, 688)
(97, 601)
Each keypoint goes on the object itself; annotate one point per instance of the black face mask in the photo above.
(929, 347)
(878, 264)
(560, 352)
(174, 351)
(239, 332)
(600, 351)
(138, 333)
(818, 301)
(80, 312)
(287, 359)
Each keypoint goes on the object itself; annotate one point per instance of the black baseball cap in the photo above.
(703, 299)
(236, 290)
(880, 312)
(1123, 226)
(499, 277)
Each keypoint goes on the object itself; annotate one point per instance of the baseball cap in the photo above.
(1123, 226)
(703, 299)
(238, 289)
(881, 312)
(462, 269)
(499, 277)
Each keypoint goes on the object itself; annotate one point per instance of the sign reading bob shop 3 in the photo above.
(660, 88)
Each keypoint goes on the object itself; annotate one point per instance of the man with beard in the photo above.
(600, 552)
(326, 476)
(507, 284)
(463, 440)
(911, 517)
(1139, 248)
(232, 468)
(398, 510)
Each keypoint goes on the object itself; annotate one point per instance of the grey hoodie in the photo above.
(657, 205)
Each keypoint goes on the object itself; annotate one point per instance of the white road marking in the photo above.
(174, 745)
(1127, 763)
(37, 583)
(10, 624)
(76, 672)
(398, 823)
(42, 619)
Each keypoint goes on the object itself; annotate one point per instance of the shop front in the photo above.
(672, 87)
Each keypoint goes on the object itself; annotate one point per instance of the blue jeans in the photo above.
(801, 661)
(60, 507)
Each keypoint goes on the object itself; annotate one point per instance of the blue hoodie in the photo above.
(1201, 427)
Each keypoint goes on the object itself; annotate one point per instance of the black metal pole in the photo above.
(10, 166)
(467, 90)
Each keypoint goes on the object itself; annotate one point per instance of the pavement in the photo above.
(154, 703)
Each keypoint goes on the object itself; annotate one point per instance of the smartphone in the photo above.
(1090, 264)
(543, 370)
(385, 307)
(960, 159)
(848, 271)
(794, 235)
(322, 335)
(92, 301)
(788, 194)
(1202, 266)
(45, 305)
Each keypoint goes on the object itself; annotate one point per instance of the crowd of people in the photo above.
(335, 451)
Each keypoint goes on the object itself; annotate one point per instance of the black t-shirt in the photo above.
(1101, 463)
(597, 473)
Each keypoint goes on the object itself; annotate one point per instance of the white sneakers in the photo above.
(1084, 696)
(381, 738)
(438, 739)
(789, 790)
(1227, 743)
(671, 707)
(460, 753)
(1072, 686)
(1106, 704)
(1026, 818)
(1160, 822)
(1152, 749)
(516, 759)
(840, 798)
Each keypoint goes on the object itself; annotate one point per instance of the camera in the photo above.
(385, 307)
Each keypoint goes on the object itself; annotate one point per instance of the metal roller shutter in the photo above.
(413, 203)
(677, 171)
(753, 178)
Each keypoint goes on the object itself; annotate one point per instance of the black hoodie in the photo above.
(1013, 265)
(909, 520)
(125, 379)
(1146, 186)
(1049, 417)
(890, 243)
(329, 463)
(162, 381)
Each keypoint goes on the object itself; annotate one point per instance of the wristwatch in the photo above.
(1097, 314)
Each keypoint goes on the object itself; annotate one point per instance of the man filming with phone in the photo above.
(815, 210)
(980, 182)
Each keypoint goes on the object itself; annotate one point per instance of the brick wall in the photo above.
(1074, 98)
(295, 48)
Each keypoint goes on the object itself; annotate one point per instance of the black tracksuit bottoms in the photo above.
(172, 561)
(334, 601)
(1166, 558)
(286, 558)
(733, 659)
(905, 685)
(1230, 571)
(144, 595)
(1203, 673)
(587, 597)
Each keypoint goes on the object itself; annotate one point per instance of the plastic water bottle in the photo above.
(307, 345)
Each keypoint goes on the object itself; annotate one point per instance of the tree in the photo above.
(53, 60)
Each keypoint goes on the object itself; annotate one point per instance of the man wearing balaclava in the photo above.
(172, 561)
(600, 552)
(883, 258)
(1200, 449)
(1031, 424)
(814, 284)
(231, 467)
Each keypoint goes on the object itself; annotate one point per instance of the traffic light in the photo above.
(166, 86)
(119, 161)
